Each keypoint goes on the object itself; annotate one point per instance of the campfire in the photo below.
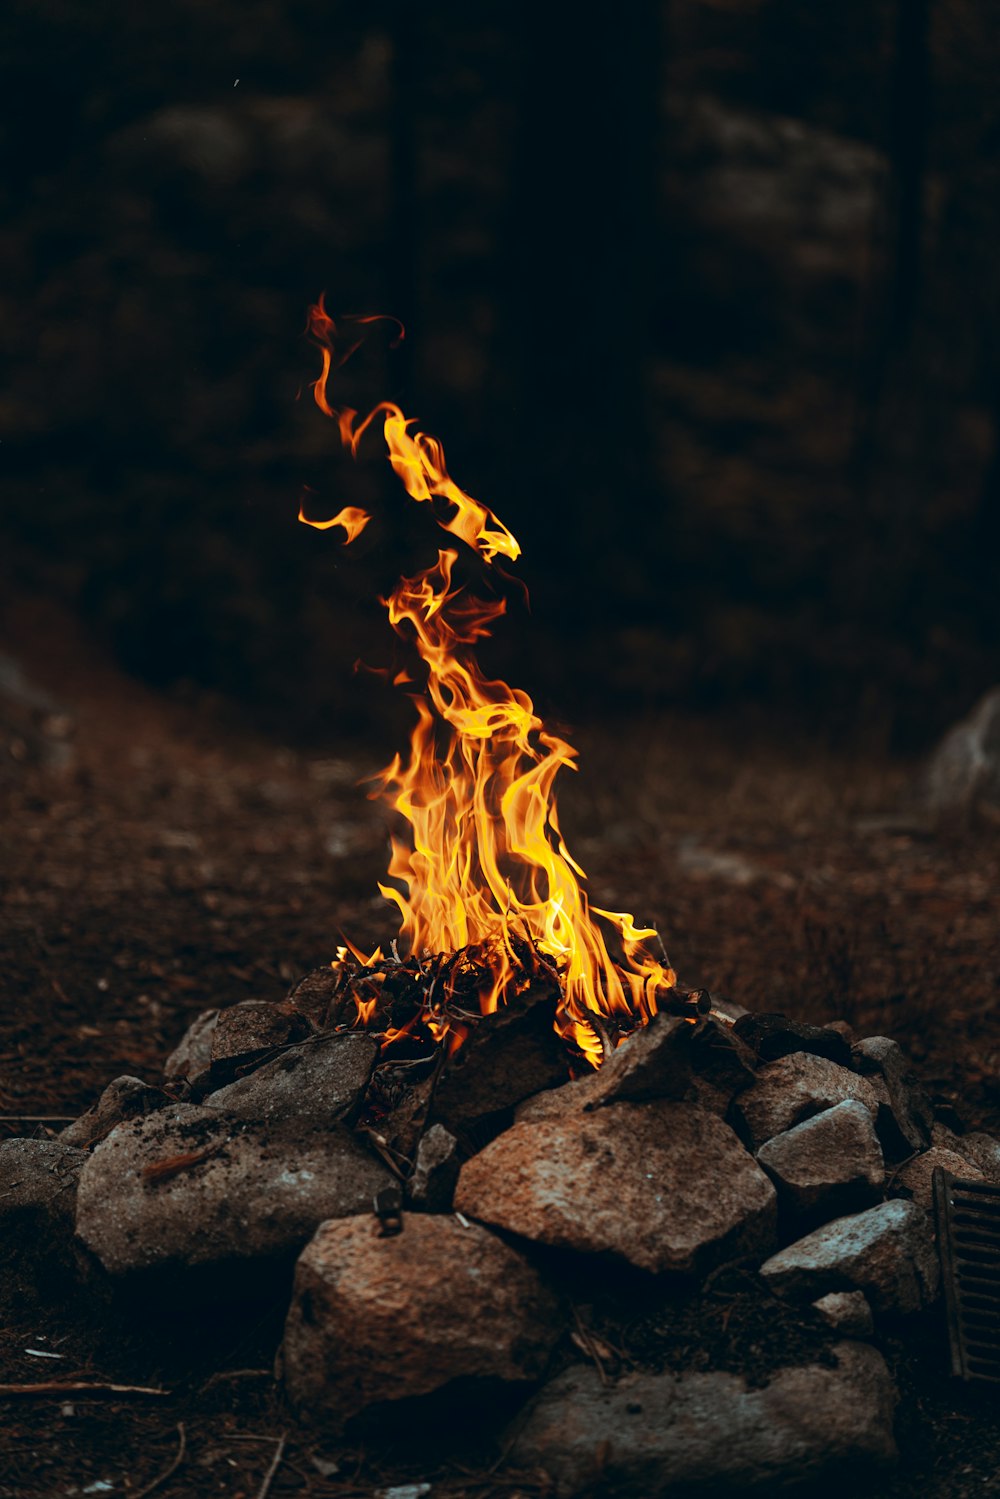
(491, 901)
(505, 1178)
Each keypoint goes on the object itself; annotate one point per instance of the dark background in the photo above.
(701, 297)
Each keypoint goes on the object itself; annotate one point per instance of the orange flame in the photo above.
(484, 863)
(351, 518)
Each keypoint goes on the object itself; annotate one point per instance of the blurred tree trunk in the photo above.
(580, 263)
(403, 243)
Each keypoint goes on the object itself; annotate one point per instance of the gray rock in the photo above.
(982, 1152)
(379, 1319)
(510, 1055)
(38, 1184)
(887, 1252)
(192, 1057)
(906, 1118)
(964, 770)
(665, 1186)
(654, 1062)
(431, 1188)
(312, 1084)
(829, 1165)
(122, 1099)
(653, 1435)
(721, 1064)
(793, 1089)
(186, 1188)
(916, 1178)
(847, 1312)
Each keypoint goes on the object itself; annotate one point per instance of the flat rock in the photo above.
(665, 1186)
(772, 1036)
(828, 1165)
(793, 1089)
(653, 1435)
(186, 1188)
(847, 1312)
(38, 1183)
(314, 1083)
(905, 1118)
(431, 1188)
(887, 1252)
(917, 1176)
(123, 1098)
(382, 1319)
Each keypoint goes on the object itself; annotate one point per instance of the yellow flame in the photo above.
(351, 518)
(484, 861)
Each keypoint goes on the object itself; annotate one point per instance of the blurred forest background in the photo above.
(702, 297)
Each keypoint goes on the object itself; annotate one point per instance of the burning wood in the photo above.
(482, 877)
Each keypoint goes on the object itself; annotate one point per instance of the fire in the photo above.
(483, 868)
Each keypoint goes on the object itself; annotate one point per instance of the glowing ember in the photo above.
(483, 878)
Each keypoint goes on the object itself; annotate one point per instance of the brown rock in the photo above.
(122, 1099)
(847, 1312)
(916, 1177)
(510, 1055)
(192, 1057)
(665, 1186)
(708, 1433)
(653, 1063)
(982, 1152)
(772, 1036)
(376, 1319)
(793, 1089)
(905, 1117)
(187, 1188)
(431, 1188)
(829, 1165)
(246, 1033)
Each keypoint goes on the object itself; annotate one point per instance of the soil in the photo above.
(180, 861)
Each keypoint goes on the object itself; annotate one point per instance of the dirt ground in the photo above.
(178, 861)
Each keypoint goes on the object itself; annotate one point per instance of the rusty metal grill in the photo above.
(968, 1218)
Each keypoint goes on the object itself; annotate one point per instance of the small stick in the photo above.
(76, 1387)
(279, 1453)
(172, 1469)
(37, 1118)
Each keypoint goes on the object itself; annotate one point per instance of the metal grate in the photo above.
(968, 1218)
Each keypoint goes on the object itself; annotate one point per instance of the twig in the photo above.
(225, 1374)
(279, 1453)
(589, 1347)
(77, 1387)
(37, 1118)
(168, 1472)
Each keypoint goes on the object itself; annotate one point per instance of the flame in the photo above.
(484, 865)
(351, 518)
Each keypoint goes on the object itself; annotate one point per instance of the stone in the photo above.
(847, 1312)
(793, 1089)
(431, 1188)
(245, 1034)
(123, 1098)
(721, 1065)
(375, 1320)
(510, 1055)
(887, 1251)
(38, 1184)
(313, 1084)
(192, 1057)
(982, 1152)
(772, 1036)
(659, 1434)
(906, 1117)
(187, 1188)
(654, 1062)
(665, 1186)
(828, 1165)
(315, 993)
(916, 1178)
(964, 770)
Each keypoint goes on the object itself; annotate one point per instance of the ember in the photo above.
(483, 878)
